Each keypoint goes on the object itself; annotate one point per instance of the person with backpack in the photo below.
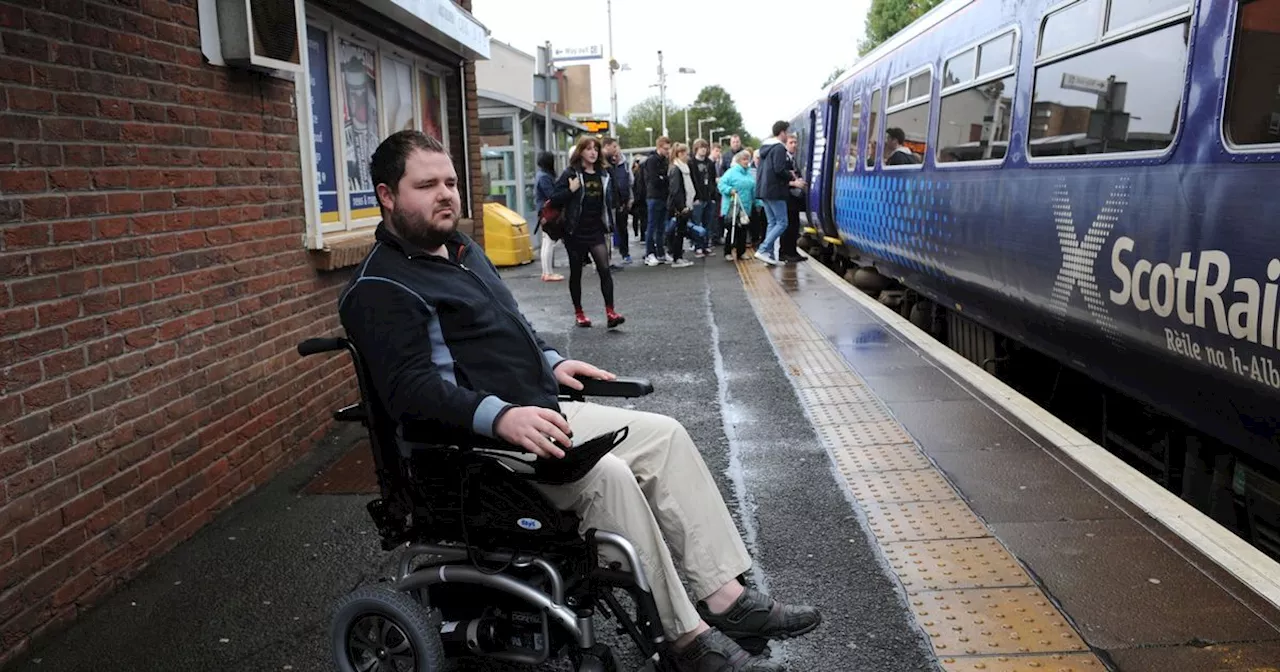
(545, 184)
(584, 195)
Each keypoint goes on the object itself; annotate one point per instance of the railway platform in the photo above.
(870, 474)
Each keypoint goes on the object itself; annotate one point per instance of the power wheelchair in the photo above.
(488, 567)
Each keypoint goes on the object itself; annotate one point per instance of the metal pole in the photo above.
(550, 70)
(613, 88)
(662, 91)
(686, 125)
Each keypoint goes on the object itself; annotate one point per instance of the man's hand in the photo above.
(568, 370)
(534, 428)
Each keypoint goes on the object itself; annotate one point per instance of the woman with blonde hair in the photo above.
(583, 191)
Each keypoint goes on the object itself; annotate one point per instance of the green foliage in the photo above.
(887, 17)
(835, 74)
(712, 101)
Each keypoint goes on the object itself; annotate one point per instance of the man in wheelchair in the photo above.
(444, 342)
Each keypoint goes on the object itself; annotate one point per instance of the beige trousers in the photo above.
(655, 490)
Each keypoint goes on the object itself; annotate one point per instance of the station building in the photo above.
(177, 212)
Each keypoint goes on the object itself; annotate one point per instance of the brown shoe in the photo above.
(712, 651)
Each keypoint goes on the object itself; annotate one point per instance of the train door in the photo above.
(826, 214)
(813, 142)
(814, 209)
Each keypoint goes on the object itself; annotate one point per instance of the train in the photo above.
(1084, 190)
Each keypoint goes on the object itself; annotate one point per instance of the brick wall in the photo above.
(154, 286)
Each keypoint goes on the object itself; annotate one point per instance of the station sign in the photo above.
(594, 52)
(597, 126)
(1086, 84)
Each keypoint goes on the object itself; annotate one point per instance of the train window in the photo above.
(959, 69)
(975, 123)
(1128, 13)
(996, 54)
(1122, 97)
(898, 94)
(855, 119)
(1253, 87)
(872, 144)
(920, 86)
(1071, 27)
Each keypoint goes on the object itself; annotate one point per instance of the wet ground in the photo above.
(253, 590)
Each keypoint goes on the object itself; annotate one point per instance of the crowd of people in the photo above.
(677, 198)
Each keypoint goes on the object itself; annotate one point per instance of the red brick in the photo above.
(77, 282)
(70, 591)
(56, 494)
(36, 154)
(22, 376)
(49, 207)
(30, 479)
(38, 531)
(73, 460)
(20, 126)
(26, 46)
(53, 261)
(17, 321)
(89, 256)
(82, 155)
(63, 363)
(85, 330)
(101, 302)
(119, 274)
(120, 484)
(82, 206)
(12, 460)
(125, 202)
(89, 379)
(8, 156)
(111, 179)
(70, 180)
(96, 473)
(11, 16)
(30, 235)
(81, 507)
(105, 349)
(73, 231)
(58, 312)
(45, 395)
(31, 291)
(23, 181)
(32, 101)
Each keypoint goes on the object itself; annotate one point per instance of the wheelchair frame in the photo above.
(566, 603)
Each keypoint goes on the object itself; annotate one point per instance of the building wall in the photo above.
(153, 288)
(577, 90)
(508, 71)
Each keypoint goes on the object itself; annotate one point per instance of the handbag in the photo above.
(551, 221)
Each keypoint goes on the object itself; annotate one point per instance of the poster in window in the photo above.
(398, 95)
(432, 119)
(359, 124)
(322, 124)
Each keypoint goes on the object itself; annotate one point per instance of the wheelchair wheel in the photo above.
(598, 659)
(376, 629)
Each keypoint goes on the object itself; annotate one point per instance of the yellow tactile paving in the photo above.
(978, 606)
(1057, 662)
(993, 621)
(850, 459)
(917, 485)
(954, 564)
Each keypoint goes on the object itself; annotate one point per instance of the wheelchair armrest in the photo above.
(619, 387)
(352, 413)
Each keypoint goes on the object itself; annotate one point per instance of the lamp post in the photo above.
(662, 94)
(704, 121)
(650, 129)
(713, 134)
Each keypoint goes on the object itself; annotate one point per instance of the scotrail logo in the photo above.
(1079, 255)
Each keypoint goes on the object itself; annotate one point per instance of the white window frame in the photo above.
(974, 82)
(383, 50)
(910, 102)
(1227, 142)
(1151, 24)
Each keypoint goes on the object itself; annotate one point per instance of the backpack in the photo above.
(551, 221)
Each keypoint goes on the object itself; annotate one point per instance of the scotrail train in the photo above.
(1091, 209)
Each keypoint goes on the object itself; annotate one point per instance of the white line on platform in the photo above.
(1248, 564)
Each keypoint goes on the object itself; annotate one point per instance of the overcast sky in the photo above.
(772, 61)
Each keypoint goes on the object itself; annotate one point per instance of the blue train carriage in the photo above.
(1095, 180)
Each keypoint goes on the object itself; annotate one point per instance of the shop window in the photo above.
(1253, 87)
(1122, 96)
(362, 90)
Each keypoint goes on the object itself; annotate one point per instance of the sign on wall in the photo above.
(593, 52)
(322, 125)
(358, 77)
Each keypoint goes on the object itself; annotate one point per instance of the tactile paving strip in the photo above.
(1056, 662)
(847, 414)
(966, 589)
(987, 621)
(919, 485)
(954, 564)
(863, 434)
(920, 521)
(850, 459)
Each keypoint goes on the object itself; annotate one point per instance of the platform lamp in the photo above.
(650, 130)
(704, 121)
(713, 134)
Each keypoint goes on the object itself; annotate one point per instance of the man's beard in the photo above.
(417, 230)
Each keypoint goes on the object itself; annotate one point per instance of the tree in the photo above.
(712, 101)
(887, 17)
(835, 74)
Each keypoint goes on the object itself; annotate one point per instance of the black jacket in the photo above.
(654, 170)
(443, 339)
(772, 175)
(571, 201)
(703, 172)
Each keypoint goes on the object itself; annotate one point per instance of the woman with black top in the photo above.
(583, 192)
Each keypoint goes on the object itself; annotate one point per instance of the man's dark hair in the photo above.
(387, 165)
(780, 126)
(608, 140)
(897, 134)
